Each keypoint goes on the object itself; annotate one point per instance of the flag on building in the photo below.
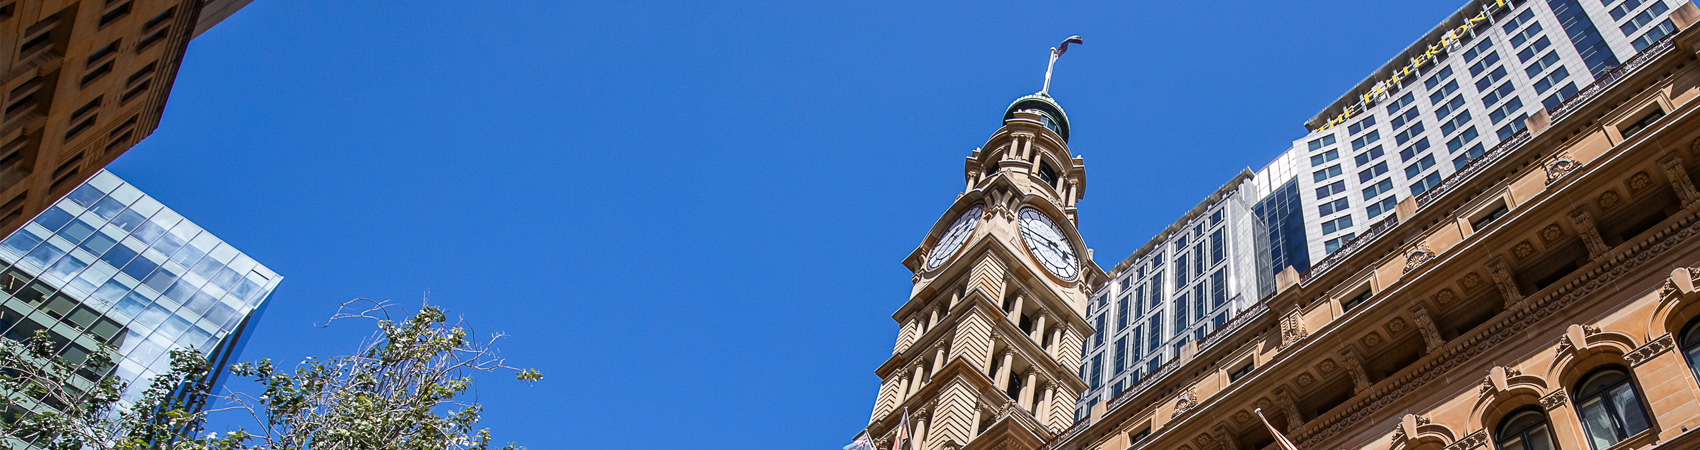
(861, 443)
(901, 441)
(1280, 439)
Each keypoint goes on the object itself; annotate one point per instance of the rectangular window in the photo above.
(1463, 139)
(1329, 208)
(1558, 97)
(1400, 103)
(1180, 270)
(1336, 243)
(1415, 149)
(1499, 93)
(1199, 298)
(1523, 18)
(1218, 289)
(1642, 19)
(1412, 132)
(1511, 107)
(1425, 183)
(1533, 49)
(1368, 155)
(1518, 39)
(1359, 127)
(1330, 172)
(1444, 110)
(1441, 93)
(1497, 74)
(1331, 189)
(1383, 206)
(1408, 115)
(1547, 82)
(1366, 139)
(1181, 313)
(1154, 333)
(1097, 370)
(1511, 129)
(1356, 300)
(1468, 155)
(1462, 119)
(1121, 312)
(1379, 187)
(1098, 332)
(1332, 226)
(1322, 142)
(1654, 35)
(1484, 47)
(1439, 77)
(1217, 252)
(1485, 64)
(1121, 353)
(1624, 9)
(1547, 60)
(1412, 170)
(1374, 171)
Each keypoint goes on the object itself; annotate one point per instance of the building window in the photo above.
(1368, 155)
(1495, 75)
(1359, 127)
(1407, 116)
(1518, 39)
(1654, 35)
(1643, 19)
(1241, 372)
(1439, 77)
(1463, 139)
(1423, 185)
(1330, 172)
(1355, 300)
(1374, 171)
(1512, 128)
(1331, 189)
(1383, 206)
(1415, 130)
(1121, 355)
(1499, 93)
(1557, 98)
(1327, 209)
(1541, 65)
(1400, 103)
(1533, 49)
(1336, 243)
(1339, 224)
(1047, 174)
(1552, 79)
(1465, 158)
(1609, 406)
(1366, 139)
(1462, 119)
(1322, 142)
(1441, 93)
(1525, 429)
(1386, 184)
(1410, 153)
(1415, 168)
(1625, 8)
(1121, 312)
(1217, 251)
(1691, 346)
(1511, 107)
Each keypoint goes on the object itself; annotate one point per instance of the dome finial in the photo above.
(1055, 52)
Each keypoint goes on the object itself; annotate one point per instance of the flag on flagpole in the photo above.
(861, 443)
(1063, 47)
(901, 442)
(1280, 439)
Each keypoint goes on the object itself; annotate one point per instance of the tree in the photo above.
(402, 390)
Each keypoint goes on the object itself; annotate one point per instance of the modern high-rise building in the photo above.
(80, 82)
(1472, 84)
(109, 265)
(991, 335)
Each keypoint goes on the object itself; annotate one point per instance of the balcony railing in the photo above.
(1346, 251)
(1473, 167)
(1606, 80)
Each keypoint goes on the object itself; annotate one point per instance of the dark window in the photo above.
(1488, 218)
(1691, 346)
(1356, 300)
(1609, 406)
(1240, 372)
(1643, 123)
(1525, 429)
(1047, 174)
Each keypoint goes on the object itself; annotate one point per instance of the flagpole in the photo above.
(1048, 67)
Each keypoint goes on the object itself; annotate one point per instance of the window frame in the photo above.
(1613, 415)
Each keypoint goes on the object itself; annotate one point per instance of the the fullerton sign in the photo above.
(1435, 51)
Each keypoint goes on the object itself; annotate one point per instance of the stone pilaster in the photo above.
(973, 340)
(1589, 233)
(1426, 327)
(1679, 181)
(953, 419)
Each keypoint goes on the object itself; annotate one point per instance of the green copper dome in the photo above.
(1054, 118)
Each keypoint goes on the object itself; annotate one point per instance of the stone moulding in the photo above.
(1651, 350)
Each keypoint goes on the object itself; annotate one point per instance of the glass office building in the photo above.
(108, 264)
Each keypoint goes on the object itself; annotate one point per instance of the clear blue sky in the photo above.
(691, 216)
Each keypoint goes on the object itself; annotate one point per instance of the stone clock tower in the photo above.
(989, 347)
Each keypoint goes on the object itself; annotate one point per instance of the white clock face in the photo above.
(959, 232)
(1048, 244)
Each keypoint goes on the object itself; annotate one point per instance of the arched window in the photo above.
(1691, 346)
(1610, 406)
(1525, 429)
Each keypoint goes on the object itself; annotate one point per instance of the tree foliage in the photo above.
(403, 389)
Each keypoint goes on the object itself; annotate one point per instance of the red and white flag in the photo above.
(901, 442)
(1280, 439)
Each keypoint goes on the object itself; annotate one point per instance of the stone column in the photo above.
(1038, 334)
(1044, 410)
(1026, 397)
(1056, 341)
(934, 321)
(920, 439)
(1001, 381)
(1015, 312)
(938, 361)
(902, 386)
(918, 379)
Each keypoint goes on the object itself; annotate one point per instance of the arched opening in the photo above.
(1047, 174)
(1691, 346)
(1610, 406)
(1525, 429)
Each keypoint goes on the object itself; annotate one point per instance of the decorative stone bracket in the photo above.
(1651, 350)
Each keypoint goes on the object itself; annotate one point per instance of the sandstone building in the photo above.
(80, 82)
(1541, 293)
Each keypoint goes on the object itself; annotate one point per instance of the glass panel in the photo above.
(1540, 439)
(1633, 417)
(1516, 443)
(1601, 434)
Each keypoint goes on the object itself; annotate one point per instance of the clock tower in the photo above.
(990, 339)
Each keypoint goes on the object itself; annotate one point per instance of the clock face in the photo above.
(953, 238)
(1048, 244)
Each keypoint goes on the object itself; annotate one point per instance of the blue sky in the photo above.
(691, 216)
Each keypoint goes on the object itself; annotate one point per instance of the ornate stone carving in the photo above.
(1284, 400)
(1554, 400)
(1305, 379)
(1396, 325)
(1551, 233)
(1476, 439)
(1470, 281)
(1186, 401)
(1502, 279)
(1609, 199)
(1588, 232)
(1650, 350)
(1372, 339)
(1566, 346)
(1425, 326)
(1327, 366)
(1225, 437)
(1498, 379)
(1406, 428)
(1639, 181)
(1523, 250)
(1679, 180)
(1292, 327)
(1445, 296)
(1355, 368)
(1416, 257)
(1560, 167)
(1242, 417)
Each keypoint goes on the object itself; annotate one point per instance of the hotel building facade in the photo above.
(1490, 242)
